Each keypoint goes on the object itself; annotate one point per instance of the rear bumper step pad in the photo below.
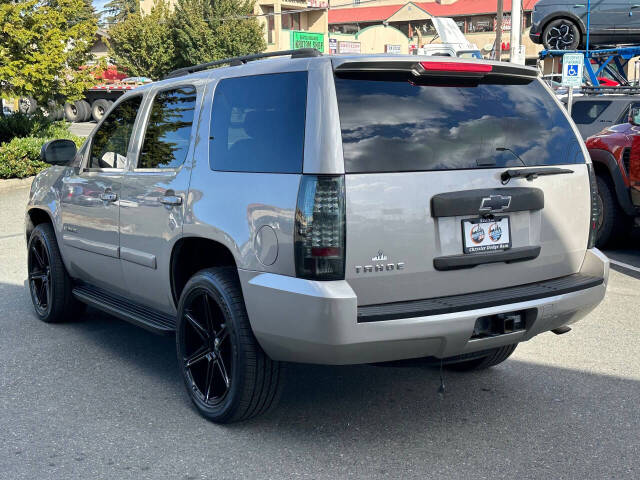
(490, 298)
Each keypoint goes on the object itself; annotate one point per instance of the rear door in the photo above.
(428, 214)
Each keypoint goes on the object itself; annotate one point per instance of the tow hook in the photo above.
(561, 330)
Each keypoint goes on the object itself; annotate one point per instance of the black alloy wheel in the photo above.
(49, 282)
(561, 34)
(227, 375)
(206, 348)
(39, 266)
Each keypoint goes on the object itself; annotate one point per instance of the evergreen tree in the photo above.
(117, 11)
(207, 30)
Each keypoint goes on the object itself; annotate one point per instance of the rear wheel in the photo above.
(227, 375)
(74, 112)
(561, 34)
(27, 105)
(492, 358)
(49, 282)
(99, 108)
(613, 223)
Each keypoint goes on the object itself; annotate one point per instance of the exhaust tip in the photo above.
(561, 330)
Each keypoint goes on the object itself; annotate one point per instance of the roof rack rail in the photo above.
(235, 61)
(620, 90)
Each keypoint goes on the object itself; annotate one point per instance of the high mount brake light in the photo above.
(456, 67)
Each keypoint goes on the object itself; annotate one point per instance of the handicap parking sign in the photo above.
(572, 69)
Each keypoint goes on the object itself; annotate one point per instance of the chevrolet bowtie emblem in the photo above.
(495, 203)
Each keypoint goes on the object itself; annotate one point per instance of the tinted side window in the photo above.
(624, 116)
(111, 141)
(168, 135)
(257, 123)
(585, 113)
(396, 126)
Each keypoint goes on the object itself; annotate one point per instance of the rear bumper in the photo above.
(316, 322)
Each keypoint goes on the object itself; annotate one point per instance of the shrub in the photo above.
(21, 125)
(20, 157)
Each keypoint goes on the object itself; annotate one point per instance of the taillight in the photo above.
(456, 67)
(320, 228)
(595, 210)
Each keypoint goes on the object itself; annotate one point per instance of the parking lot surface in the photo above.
(82, 129)
(99, 398)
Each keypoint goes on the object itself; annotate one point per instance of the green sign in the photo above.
(307, 40)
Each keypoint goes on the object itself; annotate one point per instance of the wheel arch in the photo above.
(564, 16)
(192, 254)
(36, 216)
(604, 163)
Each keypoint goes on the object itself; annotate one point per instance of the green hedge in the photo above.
(20, 157)
(22, 137)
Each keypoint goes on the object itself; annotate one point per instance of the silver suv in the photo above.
(322, 209)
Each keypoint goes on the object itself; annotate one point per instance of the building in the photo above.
(389, 25)
(287, 24)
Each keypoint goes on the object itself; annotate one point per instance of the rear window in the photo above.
(391, 126)
(257, 123)
(585, 113)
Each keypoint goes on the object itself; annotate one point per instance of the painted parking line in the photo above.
(624, 265)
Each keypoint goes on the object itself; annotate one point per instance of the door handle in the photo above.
(108, 197)
(171, 200)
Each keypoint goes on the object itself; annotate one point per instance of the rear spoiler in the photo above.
(439, 68)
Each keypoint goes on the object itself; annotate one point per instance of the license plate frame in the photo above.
(485, 240)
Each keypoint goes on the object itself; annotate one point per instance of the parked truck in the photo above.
(93, 106)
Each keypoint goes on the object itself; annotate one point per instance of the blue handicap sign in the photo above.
(572, 71)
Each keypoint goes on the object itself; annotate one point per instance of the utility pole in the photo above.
(497, 51)
(517, 55)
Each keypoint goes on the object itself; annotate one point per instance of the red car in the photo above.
(615, 153)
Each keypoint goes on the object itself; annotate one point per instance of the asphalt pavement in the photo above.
(99, 398)
(82, 129)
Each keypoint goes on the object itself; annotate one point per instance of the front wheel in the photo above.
(561, 34)
(49, 282)
(227, 375)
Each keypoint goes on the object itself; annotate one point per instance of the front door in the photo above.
(91, 198)
(153, 197)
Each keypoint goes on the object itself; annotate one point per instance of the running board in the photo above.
(124, 309)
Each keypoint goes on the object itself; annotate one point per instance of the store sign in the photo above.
(318, 3)
(348, 47)
(395, 49)
(333, 46)
(307, 40)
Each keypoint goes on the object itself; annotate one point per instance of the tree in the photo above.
(117, 11)
(43, 44)
(207, 30)
(142, 43)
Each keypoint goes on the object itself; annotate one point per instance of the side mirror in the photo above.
(634, 116)
(58, 152)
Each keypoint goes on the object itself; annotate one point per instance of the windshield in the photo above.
(398, 126)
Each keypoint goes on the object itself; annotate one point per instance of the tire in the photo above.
(99, 108)
(86, 108)
(493, 358)
(27, 105)
(613, 223)
(74, 112)
(48, 276)
(223, 342)
(561, 34)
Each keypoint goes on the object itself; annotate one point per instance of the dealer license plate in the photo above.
(486, 234)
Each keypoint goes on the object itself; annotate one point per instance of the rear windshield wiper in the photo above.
(532, 173)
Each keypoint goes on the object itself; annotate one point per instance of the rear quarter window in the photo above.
(257, 123)
(585, 113)
(390, 126)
